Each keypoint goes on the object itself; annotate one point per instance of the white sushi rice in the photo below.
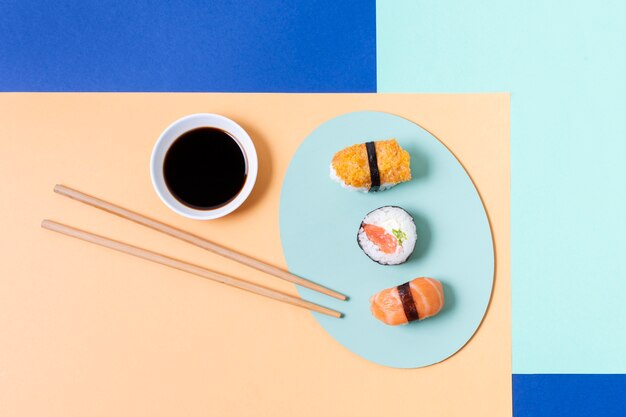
(395, 221)
(335, 177)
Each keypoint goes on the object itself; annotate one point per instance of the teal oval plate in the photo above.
(318, 225)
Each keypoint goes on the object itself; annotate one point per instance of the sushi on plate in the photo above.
(414, 300)
(387, 235)
(371, 166)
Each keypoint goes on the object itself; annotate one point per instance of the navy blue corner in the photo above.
(225, 46)
(569, 395)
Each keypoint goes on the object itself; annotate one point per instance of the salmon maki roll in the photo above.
(414, 300)
(371, 166)
(387, 235)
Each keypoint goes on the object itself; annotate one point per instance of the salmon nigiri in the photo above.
(413, 300)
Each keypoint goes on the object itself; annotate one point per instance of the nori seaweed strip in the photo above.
(373, 163)
(408, 304)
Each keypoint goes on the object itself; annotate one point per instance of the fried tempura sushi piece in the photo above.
(371, 166)
(414, 300)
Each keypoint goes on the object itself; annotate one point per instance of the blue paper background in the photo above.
(569, 395)
(268, 45)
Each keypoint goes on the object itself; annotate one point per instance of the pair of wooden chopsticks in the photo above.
(187, 267)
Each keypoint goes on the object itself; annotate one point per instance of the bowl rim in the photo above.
(173, 132)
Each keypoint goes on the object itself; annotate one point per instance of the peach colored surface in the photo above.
(86, 331)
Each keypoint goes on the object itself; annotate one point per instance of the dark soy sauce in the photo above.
(205, 168)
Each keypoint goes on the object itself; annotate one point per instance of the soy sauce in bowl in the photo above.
(205, 168)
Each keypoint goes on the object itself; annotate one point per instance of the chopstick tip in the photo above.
(339, 296)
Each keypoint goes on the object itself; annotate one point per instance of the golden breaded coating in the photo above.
(352, 167)
(394, 163)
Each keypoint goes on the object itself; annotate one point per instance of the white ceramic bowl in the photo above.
(185, 124)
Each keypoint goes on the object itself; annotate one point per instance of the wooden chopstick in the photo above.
(194, 239)
(187, 267)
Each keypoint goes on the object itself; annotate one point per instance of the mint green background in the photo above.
(319, 221)
(565, 64)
